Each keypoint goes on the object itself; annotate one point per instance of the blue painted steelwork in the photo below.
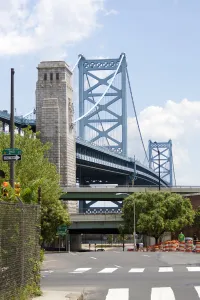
(89, 154)
(166, 159)
(103, 127)
(87, 208)
(19, 121)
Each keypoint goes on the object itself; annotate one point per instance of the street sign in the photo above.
(62, 230)
(12, 151)
(12, 157)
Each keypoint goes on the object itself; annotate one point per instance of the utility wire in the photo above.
(136, 116)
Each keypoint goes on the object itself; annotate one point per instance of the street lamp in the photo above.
(158, 163)
(134, 233)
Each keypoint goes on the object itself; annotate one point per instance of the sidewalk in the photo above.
(59, 295)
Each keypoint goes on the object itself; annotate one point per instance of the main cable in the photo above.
(173, 170)
(136, 115)
(83, 116)
(76, 63)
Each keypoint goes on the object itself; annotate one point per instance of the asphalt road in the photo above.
(116, 275)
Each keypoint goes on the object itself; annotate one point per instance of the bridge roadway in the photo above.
(109, 193)
(98, 164)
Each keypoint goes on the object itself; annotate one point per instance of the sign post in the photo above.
(62, 231)
(12, 129)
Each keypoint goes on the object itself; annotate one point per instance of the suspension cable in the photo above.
(173, 170)
(97, 110)
(76, 63)
(83, 116)
(136, 115)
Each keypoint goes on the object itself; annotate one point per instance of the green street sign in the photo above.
(12, 151)
(62, 230)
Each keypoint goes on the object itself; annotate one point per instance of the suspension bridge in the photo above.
(105, 100)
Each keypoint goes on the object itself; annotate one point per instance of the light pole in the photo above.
(134, 233)
(158, 162)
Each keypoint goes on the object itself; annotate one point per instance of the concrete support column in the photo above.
(75, 242)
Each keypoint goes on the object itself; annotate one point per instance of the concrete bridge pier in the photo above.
(75, 242)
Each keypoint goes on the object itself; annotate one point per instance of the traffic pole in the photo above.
(12, 134)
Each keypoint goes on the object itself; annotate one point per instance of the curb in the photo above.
(61, 295)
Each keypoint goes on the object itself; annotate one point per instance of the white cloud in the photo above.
(179, 122)
(48, 24)
(111, 12)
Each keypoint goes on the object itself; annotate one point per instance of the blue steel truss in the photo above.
(103, 127)
(164, 150)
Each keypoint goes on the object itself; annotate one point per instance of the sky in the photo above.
(162, 45)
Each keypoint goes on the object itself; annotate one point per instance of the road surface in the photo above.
(117, 275)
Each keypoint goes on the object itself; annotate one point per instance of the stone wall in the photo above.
(54, 117)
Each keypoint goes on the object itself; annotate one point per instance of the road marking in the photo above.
(47, 261)
(50, 271)
(197, 288)
(116, 251)
(164, 293)
(93, 257)
(117, 266)
(73, 253)
(136, 270)
(108, 270)
(146, 255)
(193, 269)
(165, 269)
(118, 294)
(80, 270)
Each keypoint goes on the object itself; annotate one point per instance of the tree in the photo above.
(34, 171)
(157, 212)
(197, 218)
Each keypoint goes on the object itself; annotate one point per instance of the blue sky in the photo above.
(162, 44)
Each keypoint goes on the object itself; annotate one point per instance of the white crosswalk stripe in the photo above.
(108, 270)
(193, 269)
(80, 270)
(136, 270)
(164, 293)
(118, 294)
(156, 293)
(197, 288)
(165, 269)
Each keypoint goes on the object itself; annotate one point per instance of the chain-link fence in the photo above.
(19, 247)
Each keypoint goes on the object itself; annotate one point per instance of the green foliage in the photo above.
(197, 218)
(34, 171)
(157, 212)
(110, 239)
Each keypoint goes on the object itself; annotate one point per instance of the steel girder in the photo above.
(164, 150)
(117, 95)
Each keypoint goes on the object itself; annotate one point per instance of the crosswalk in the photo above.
(156, 293)
(134, 270)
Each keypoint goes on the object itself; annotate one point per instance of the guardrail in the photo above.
(134, 186)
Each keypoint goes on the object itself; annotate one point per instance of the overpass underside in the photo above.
(103, 224)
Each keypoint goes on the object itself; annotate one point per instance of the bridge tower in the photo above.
(160, 155)
(106, 125)
(54, 118)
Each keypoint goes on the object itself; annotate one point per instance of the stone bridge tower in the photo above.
(54, 117)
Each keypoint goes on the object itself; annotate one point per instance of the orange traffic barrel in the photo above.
(182, 246)
(197, 247)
